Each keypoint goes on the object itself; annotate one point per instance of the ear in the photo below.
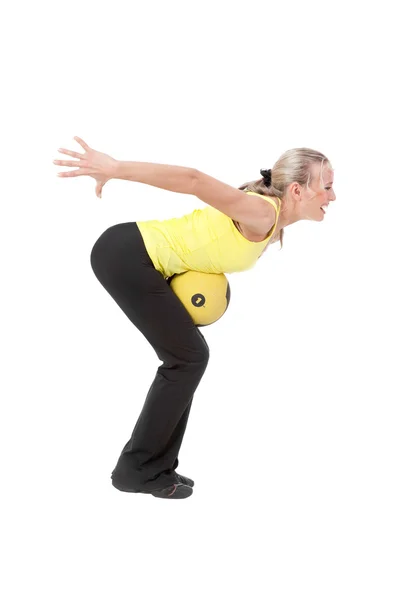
(295, 190)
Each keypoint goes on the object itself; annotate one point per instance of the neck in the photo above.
(287, 216)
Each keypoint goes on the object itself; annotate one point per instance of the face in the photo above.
(312, 202)
(321, 194)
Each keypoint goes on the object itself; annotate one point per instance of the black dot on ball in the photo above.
(198, 300)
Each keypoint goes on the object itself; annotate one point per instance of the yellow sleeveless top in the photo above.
(205, 240)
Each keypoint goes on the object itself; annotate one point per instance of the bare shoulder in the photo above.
(258, 231)
(258, 217)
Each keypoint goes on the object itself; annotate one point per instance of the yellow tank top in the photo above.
(205, 240)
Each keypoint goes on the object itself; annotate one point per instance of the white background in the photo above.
(293, 438)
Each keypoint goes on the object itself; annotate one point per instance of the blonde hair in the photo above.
(293, 166)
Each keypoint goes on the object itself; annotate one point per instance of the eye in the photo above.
(328, 188)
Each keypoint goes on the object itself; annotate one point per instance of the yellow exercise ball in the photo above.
(204, 295)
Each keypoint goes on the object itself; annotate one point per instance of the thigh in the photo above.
(120, 261)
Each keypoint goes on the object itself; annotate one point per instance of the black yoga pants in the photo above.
(122, 265)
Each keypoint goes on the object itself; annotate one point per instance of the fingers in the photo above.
(73, 173)
(82, 143)
(66, 163)
(70, 163)
(70, 153)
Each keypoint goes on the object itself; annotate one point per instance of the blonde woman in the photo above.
(134, 262)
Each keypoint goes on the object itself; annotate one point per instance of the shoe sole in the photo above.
(177, 491)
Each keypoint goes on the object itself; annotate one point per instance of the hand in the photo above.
(95, 164)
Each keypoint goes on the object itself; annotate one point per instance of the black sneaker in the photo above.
(176, 491)
(186, 481)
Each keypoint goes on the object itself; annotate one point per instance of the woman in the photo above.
(134, 261)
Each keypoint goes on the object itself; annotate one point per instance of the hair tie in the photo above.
(266, 174)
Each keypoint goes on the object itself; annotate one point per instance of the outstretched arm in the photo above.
(252, 211)
(167, 177)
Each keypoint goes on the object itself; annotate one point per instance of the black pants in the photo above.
(122, 265)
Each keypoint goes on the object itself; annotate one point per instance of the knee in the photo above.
(193, 361)
(201, 359)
